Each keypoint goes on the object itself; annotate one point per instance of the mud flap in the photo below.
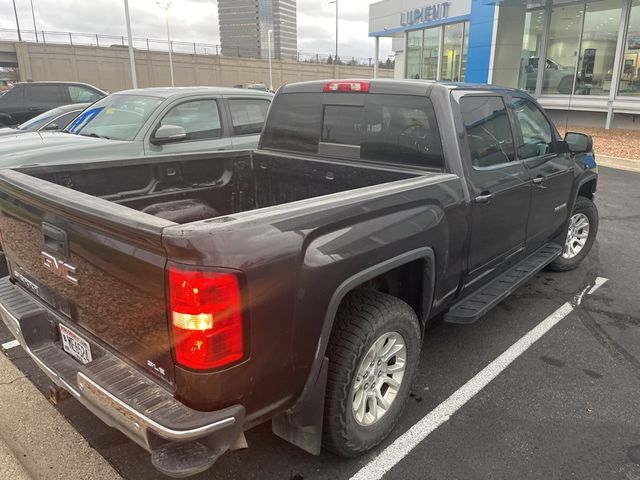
(302, 425)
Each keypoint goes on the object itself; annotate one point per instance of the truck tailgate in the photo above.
(98, 264)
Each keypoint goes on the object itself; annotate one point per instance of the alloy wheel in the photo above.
(379, 378)
(577, 235)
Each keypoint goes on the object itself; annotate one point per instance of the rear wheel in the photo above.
(583, 227)
(373, 353)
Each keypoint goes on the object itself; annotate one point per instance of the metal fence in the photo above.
(155, 45)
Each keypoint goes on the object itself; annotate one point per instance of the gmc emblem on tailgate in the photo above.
(59, 267)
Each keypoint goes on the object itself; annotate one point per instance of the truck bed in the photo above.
(191, 188)
(120, 255)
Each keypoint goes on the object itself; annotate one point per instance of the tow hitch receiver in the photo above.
(57, 395)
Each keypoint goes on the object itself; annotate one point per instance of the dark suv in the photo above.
(26, 100)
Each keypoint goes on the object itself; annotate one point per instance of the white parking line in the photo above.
(403, 445)
(599, 282)
(10, 345)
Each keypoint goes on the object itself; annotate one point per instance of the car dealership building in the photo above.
(590, 50)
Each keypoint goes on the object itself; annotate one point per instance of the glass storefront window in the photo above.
(598, 48)
(430, 49)
(562, 49)
(630, 74)
(414, 53)
(531, 44)
(452, 52)
(424, 50)
(465, 47)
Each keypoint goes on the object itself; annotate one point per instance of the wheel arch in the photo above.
(424, 255)
(302, 424)
(6, 119)
(587, 187)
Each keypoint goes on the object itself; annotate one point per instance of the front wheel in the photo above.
(373, 353)
(566, 85)
(583, 227)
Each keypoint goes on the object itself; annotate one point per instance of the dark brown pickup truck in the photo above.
(186, 299)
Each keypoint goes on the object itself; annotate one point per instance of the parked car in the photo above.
(253, 86)
(557, 77)
(52, 121)
(186, 299)
(149, 122)
(25, 100)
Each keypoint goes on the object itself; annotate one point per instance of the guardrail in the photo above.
(156, 45)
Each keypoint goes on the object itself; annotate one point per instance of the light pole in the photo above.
(15, 11)
(335, 60)
(269, 32)
(166, 18)
(33, 15)
(132, 60)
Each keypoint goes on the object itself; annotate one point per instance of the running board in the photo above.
(471, 308)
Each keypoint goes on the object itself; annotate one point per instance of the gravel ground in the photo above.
(612, 143)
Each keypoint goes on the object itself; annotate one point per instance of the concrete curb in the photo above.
(35, 439)
(10, 467)
(619, 163)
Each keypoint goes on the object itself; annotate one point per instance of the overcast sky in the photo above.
(196, 21)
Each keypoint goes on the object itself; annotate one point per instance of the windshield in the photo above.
(117, 117)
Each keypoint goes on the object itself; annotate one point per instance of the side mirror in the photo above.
(579, 142)
(528, 150)
(168, 134)
(51, 127)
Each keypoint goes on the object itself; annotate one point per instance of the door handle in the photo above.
(55, 239)
(485, 198)
(539, 180)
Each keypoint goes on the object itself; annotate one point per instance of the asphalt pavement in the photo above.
(565, 407)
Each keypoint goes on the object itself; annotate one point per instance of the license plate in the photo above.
(75, 346)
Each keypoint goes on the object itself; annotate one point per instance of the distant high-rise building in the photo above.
(244, 27)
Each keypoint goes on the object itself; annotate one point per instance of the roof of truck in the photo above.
(407, 86)
(166, 92)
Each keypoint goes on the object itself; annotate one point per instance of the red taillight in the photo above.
(347, 86)
(206, 318)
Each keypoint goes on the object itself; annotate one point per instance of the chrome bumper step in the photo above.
(182, 441)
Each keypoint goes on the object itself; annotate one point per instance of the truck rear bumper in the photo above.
(182, 441)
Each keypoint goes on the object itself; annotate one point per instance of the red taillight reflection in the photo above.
(346, 86)
(206, 318)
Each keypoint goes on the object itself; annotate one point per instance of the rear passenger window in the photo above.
(80, 94)
(44, 93)
(248, 115)
(488, 130)
(200, 119)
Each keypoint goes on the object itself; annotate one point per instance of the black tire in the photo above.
(587, 207)
(5, 121)
(566, 85)
(362, 318)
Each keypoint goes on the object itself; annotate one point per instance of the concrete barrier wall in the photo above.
(108, 68)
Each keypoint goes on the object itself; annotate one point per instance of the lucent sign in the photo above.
(430, 13)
